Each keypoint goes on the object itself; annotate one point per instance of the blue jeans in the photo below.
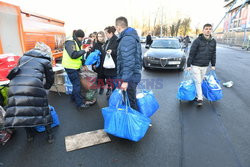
(75, 80)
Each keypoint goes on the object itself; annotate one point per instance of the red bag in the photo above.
(7, 62)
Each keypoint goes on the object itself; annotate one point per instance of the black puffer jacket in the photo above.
(202, 52)
(99, 46)
(27, 98)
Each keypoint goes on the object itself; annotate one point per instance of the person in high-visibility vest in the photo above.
(72, 62)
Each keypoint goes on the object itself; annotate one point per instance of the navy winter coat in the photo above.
(129, 56)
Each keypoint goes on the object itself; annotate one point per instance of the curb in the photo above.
(233, 47)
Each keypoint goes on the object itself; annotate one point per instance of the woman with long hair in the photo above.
(100, 46)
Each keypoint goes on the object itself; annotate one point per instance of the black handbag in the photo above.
(16, 70)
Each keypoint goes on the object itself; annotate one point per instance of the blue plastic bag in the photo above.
(147, 103)
(68, 85)
(55, 120)
(125, 122)
(187, 89)
(93, 57)
(115, 97)
(211, 88)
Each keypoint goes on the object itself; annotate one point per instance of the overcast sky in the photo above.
(95, 15)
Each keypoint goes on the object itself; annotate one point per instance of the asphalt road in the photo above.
(182, 135)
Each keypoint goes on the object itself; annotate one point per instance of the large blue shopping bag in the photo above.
(125, 122)
(55, 120)
(147, 103)
(187, 89)
(211, 88)
(115, 97)
(93, 58)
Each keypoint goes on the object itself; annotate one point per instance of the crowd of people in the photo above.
(28, 97)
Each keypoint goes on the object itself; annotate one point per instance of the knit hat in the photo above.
(44, 48)
(79, 33)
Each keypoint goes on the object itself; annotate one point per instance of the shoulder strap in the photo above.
(26, 62)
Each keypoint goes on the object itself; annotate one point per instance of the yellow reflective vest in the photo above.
(68, 62)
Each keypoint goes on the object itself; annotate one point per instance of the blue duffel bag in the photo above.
(187, 89)
(147, 103)
(93, 58)
(123, 121)
(211, 88)
(55, 120)
(115, 97)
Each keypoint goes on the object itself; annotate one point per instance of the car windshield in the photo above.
(169, 44)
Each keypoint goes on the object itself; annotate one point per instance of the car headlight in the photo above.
(151, 58)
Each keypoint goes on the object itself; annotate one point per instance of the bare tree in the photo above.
(165, 30)
(177, 27)
(157, 30)
(156, 19)
(172, 29)
(185, 25)
(197, 30)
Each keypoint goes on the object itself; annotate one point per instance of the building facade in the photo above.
(236, 30)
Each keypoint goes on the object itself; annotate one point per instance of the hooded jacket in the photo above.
(129, 56)
(202, 52)
(27, 98)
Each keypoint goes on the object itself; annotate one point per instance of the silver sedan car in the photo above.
(165, 53)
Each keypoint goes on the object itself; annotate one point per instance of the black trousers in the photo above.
(131, 90)
(101, 80)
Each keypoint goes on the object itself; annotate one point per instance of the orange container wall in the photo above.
(29, 29)
(38, 28)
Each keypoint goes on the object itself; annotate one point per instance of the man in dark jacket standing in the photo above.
(203, 51)
(149, 39)
(27, 97)
(129, 61)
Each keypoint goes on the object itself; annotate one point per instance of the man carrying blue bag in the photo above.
(129, 59)
(202, 52)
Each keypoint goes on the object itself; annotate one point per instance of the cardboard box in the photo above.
(58, 88)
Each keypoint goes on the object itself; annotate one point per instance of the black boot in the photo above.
(30, 134)
(101, 91)
(108, 92)
(50, 136)
(50, 139)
